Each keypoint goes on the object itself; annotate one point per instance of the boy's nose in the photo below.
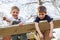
(15, 13)
(41, 16)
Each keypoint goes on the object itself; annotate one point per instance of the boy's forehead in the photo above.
(14, 10)
(41, 13)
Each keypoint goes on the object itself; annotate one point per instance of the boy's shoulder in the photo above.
(10, 19)
(20, 18)
(37, 19)
(48, 18)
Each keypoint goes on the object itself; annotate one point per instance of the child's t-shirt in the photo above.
(16, 21)
(48, 18)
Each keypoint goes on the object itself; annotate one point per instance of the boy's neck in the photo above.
(16, 18)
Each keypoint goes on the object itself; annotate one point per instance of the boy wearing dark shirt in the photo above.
(42, 15)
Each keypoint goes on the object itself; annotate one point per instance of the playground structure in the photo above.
(27, 28)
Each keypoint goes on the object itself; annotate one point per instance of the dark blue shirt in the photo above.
(49, 19)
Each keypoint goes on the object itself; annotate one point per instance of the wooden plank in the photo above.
(17, 30)
(27, 28)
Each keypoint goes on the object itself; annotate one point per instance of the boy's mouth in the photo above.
(15, 15)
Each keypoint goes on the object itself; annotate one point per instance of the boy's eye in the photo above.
(15, 12)
(41, 14)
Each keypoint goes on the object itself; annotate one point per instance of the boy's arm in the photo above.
(51, 29)
(51, 26)
(4, 18)
(20, 24)
(37, 28)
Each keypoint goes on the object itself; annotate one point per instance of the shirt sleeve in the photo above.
(49, 19)
(37, 20)
(22, 20)
(11, 19)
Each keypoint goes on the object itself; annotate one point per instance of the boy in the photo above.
(42, 15)
(15, 20)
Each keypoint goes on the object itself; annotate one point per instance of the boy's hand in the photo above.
(51, 34)
(4, 18)
(41, 35)
(20, 24)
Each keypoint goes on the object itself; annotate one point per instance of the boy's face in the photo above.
(15, 13)
(41, 15)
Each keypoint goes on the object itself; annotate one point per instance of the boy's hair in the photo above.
(15, 7)
(41, 9)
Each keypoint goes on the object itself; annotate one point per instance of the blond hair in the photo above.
(15, 7)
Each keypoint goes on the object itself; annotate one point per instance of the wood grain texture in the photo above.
(27, 28)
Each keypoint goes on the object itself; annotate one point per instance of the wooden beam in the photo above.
(27, 28)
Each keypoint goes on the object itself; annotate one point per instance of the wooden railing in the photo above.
(27, 28)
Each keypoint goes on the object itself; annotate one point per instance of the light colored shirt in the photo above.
(20, 19)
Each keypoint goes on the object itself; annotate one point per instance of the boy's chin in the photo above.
(16, 17)
(41, 18)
